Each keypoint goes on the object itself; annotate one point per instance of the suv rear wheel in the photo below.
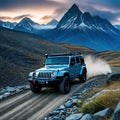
(83, 77)
(64, 86)
(35, 88)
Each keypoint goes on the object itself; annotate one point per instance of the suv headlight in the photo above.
(33, 74)
(54, 74)
(30, 74)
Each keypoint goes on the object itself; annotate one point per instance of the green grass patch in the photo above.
(108, 99)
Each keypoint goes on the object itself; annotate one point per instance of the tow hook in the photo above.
(34, 82)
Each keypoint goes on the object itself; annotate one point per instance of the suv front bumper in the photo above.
(46, 82)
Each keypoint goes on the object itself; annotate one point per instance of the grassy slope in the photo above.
(81, 49)
(113, 57)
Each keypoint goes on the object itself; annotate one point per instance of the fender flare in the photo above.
(62, 73)
(82, 69)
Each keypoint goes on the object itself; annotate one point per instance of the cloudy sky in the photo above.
(42, 11)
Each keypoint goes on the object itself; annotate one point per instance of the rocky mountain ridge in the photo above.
(28, 25)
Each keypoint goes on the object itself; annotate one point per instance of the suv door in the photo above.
(72, 69)
(78, 65)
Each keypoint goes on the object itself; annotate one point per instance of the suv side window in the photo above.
(72, 61)
(77, 60)
(82, 60)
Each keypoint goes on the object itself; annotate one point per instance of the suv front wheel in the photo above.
(35, 88)
(64, 86)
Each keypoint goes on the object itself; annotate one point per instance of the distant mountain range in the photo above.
(76, 28)
(27, 25)
(8, 25)
(83, 29)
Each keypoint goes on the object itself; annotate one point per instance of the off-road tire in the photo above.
(83, 77)
(35, 88)
(65, 86)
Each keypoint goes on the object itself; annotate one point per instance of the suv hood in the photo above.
(51, 68)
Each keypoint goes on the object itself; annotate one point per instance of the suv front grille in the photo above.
(44, 75)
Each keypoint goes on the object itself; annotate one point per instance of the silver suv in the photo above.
(59, 71)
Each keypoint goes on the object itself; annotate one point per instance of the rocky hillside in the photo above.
(23, 52)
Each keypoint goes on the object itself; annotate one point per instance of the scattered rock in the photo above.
(113, 77)
(87, 117)
(75, 116)
(2, 91)
(69, 104)
(62, 107)
(6, 94)
(8, 91)
(1, 97)
(116, 114)
(103, 114)
(55, 112)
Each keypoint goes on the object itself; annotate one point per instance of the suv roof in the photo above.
(64, 54)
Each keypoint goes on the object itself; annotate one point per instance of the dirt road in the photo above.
(30, 106)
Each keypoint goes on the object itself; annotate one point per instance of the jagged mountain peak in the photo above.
(26, 24)
(27, 20)
(71, 16)
(75, 19)
(52, 22)
(74, 8)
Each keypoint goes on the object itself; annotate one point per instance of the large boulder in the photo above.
(87, 117)
(113, 77)
(116, 114)
(77, 116)
(103, 114)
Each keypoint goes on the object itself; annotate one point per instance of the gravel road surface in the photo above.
(30, 106)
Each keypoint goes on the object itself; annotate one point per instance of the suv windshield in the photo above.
(57, 60)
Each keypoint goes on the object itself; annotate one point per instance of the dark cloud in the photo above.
(46, 17)
(13, 4)
(60, 11)
(5, 18)
(17, 18)
(22, 16)
(112, 4)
